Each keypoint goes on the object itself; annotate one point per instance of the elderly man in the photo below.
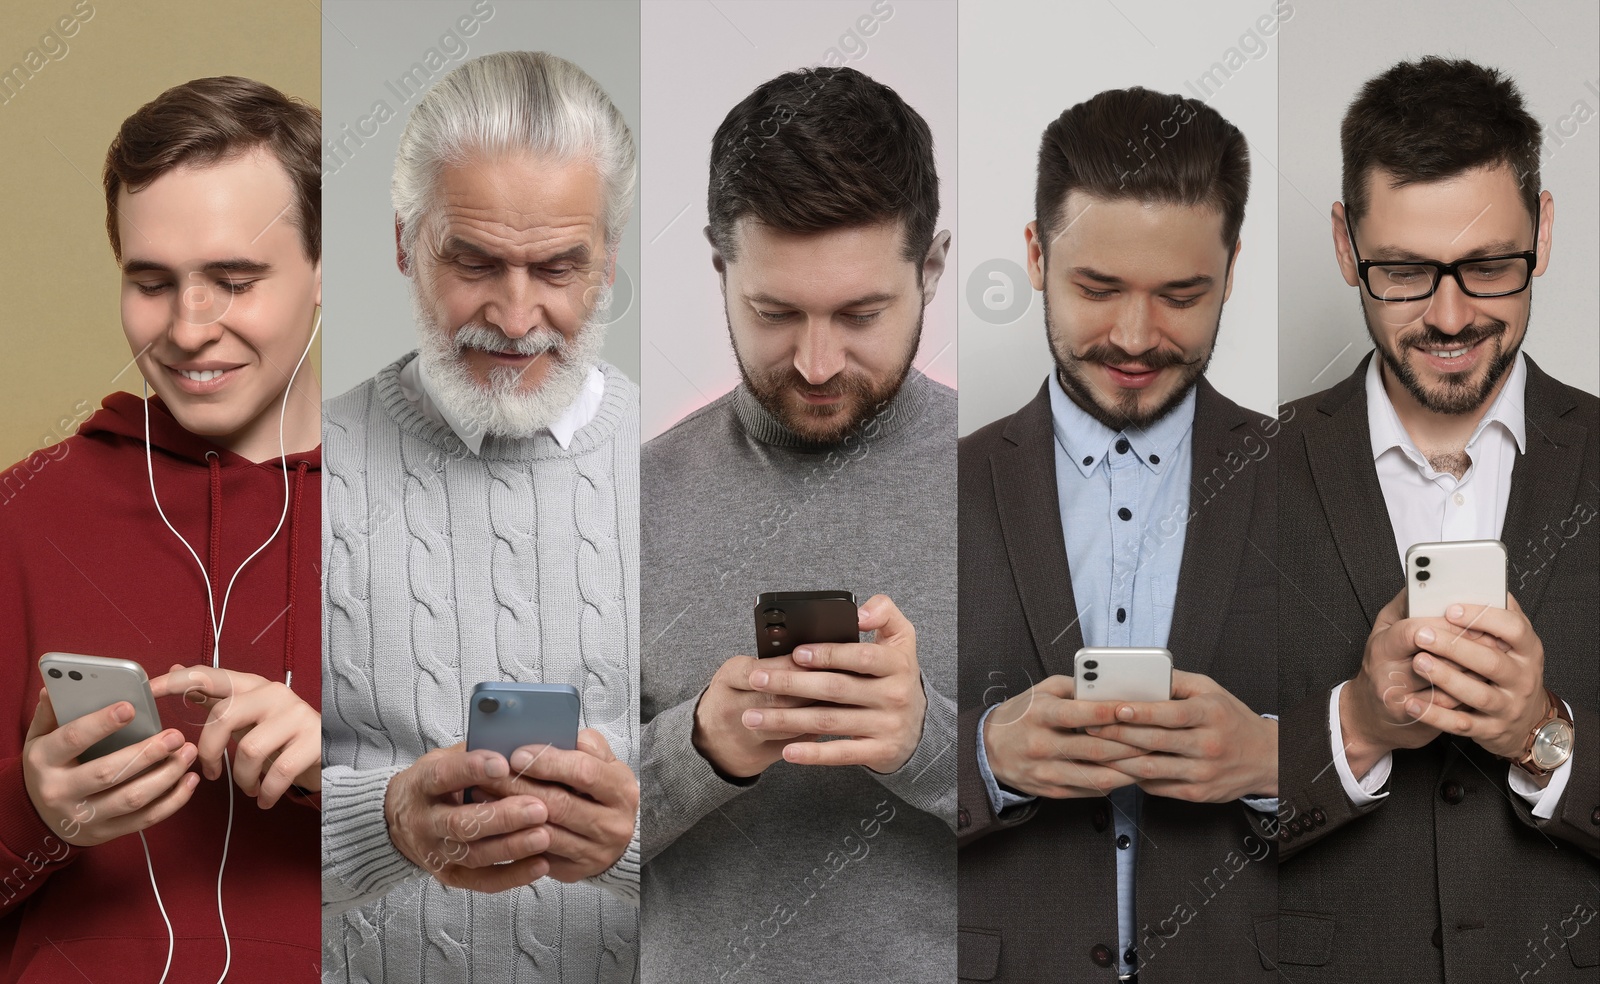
(482, 525)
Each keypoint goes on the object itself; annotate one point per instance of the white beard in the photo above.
(501, 410)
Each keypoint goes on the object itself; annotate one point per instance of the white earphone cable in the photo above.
(216, 643)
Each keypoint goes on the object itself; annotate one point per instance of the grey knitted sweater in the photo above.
(804, 874)
(443, 569)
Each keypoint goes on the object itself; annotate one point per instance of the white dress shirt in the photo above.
(414, 385)
(1427, 506)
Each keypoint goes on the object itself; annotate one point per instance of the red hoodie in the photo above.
(87, 566)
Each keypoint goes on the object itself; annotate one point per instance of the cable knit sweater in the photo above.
(443, 569)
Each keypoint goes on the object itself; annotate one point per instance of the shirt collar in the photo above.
(1388, 433)
(1087, 441)
(416, 388)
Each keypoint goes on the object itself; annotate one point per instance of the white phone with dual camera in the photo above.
(1113, 673)
(1458, 572)
(80, 685)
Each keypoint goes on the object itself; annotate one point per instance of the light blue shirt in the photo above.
(1119, 493)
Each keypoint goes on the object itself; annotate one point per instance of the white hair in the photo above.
(513, 102)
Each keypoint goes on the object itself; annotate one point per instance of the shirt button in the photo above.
(1088, 461)
(1124, 513)
(1130, 956)
(1155, 459)
(1122, 445)
(1122, 615)
(1100, 954)
(1460, 499)
(1123, 841)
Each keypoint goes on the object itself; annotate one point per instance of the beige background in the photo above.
(61, 342)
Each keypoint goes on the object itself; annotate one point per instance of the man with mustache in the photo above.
(1129, 504)
(1409, 743)
(482, 526)
(769, 853)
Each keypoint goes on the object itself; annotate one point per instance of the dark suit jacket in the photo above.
(1450, 877)
(1038, 884)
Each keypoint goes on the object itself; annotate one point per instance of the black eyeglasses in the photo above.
(1413, 280)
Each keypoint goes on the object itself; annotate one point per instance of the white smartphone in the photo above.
(80, 685)
(1109, 673)
(1459, 572)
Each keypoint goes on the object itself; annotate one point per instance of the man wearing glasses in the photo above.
(1439, 780)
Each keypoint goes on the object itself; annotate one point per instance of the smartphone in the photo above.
(1109, 673)
(503, 717)
(1458, 572)
(80, 685)
(786, 619)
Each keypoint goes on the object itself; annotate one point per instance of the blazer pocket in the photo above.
(977, 954)
(1305, 938)
(1584, 948)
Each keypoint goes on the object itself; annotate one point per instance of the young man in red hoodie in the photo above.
(181, 532)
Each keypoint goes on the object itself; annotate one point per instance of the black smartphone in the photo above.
(786, 619)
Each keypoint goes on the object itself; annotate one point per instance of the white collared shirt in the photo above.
(414, 386)
(1427, 506)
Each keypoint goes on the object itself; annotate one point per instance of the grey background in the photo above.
(1552, 49)
(366, 304)
(701, 59)
(1022, 64)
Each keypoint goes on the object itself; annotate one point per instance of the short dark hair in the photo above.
(1148, 146)
(1433, 119)
(819, 149)
(210, 120)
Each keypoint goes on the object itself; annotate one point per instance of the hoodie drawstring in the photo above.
(214, 555)
(294, 571)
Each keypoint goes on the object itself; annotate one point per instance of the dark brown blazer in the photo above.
(1037, 888)
(1450, 878)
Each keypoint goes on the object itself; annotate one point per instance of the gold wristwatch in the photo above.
(1550, 742)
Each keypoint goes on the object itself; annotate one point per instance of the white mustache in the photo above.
(486, 339)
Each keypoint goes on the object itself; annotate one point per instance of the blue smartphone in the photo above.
(503, 717)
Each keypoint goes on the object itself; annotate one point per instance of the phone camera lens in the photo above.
(1422, 562)
(1091, 676)
(55, 673)
(1422, 575)
(773, 616)
(488, 705)
(74, 674)
(1091, 664)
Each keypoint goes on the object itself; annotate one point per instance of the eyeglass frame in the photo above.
(1443, 269)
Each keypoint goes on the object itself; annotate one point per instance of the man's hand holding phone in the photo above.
(1203, 746)
(1036, 744)
(591, 801)
(869, 692)
(719, 730)
(461, 844)
(118, 793)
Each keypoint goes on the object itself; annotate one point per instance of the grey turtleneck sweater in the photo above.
(813, 873)
(444, 568)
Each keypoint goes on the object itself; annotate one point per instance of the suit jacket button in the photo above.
(1318, 817)
(1594, 818)
(1102, 818)
(1451, 792)
(963, 818)
(1438, 936)
(1100, 954)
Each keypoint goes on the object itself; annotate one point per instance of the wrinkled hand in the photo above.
(591, 800)
(1035, 747)
(93, 802)
(485, 846)
(1204, 745)
(869, 692)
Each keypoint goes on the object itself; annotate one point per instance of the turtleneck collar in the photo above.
(899, 414)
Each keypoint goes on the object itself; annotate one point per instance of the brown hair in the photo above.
(824, 148)
(210, 120)
(1433, 119)
(1148, 146)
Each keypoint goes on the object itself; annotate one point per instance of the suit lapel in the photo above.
(1544, 488)
(1024, 477)
(1221, 495)
(1338, 444)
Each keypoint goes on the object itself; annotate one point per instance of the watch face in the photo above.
(1552, 745)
